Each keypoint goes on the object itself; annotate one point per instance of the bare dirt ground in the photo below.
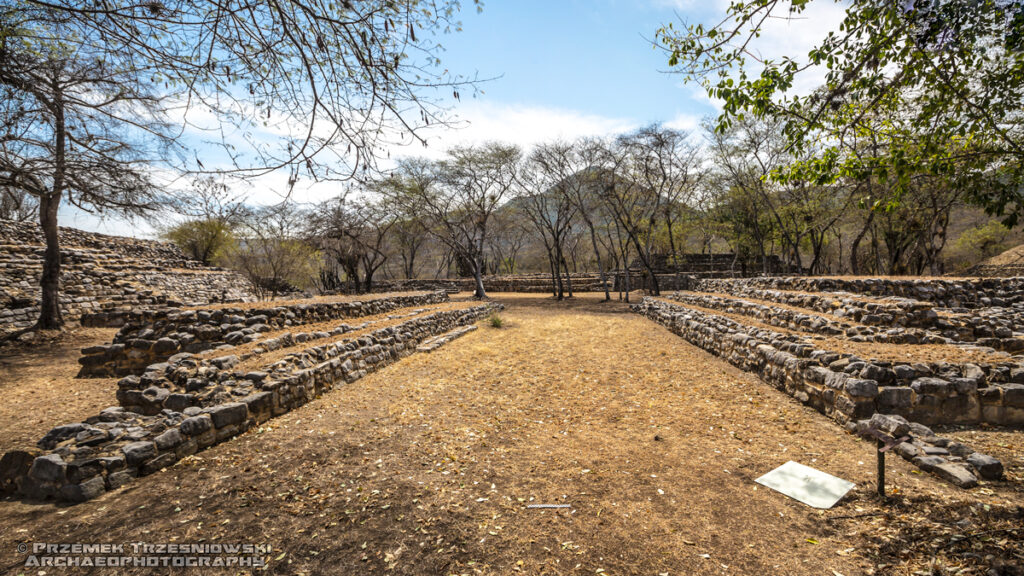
(39, 389)
(376, 322)
(428, 466)
(871, 351)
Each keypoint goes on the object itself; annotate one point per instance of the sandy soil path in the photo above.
(429, 466)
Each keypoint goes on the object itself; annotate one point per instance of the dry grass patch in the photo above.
(428, 465)
(40, 391)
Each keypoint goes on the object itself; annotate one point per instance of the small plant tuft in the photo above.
(496, 321)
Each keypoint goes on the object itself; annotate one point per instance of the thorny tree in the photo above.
(271, 253)
(213, 210)
(357, 233)
(319, 88)
(549, 203)
(458, 196)
(332, 82)
(648, 174)
(17, 205)
(76, 127)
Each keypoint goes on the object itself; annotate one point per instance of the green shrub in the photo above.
(496, 321)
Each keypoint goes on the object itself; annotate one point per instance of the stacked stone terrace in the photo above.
(150, 336)
(527, 283)
(897, 355)
(670, 277)
(101, 273)
(262, 362)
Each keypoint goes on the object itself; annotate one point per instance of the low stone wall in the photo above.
(525, 283)
(846, 387)
(883, 322)
(151, 336)
(29, 233)
(859, 394)
(950, 460)
(411, 285)
(965, 293)
(83, 460)
(772, 315)
(996, 271)
(992, 326)
(541, 283)
(103, 273)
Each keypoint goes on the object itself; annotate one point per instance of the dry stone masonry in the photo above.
(104, 274)
(894, 320)
(896, 314)
(150, 336)
(526, 283)
(954, 293)
(435, 342)
(669, 276)
(192, 401)
(865, 392)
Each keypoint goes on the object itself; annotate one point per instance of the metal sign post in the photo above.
(885, 443)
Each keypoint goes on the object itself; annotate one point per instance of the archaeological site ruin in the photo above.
(200, 361)
(470, 288)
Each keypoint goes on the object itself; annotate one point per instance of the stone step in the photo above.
(431, 344)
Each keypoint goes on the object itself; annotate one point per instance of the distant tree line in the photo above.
(641, 201)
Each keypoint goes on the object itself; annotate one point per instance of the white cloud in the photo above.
(73, 217)
(687, 122)
(523, 125)
(477, 122)
(795, 36)
(783, 34)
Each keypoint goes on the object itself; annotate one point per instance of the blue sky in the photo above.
(565, 68)
(593, 56)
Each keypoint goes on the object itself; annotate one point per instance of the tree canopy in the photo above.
(332, 82)
(99, 97)
(937, 85)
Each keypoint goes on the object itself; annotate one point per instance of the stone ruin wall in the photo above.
(151, 336)
(525, 283)
(104, 273)
(188, 403)
(892, 321)
(892, 396)
(950, 293)
(675, 277)
(847, 388)
(996, 270)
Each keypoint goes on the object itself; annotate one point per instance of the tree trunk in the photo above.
(646, 261)
(568, 279)
(600, 266)
(479, 279)
(368, 281)
(409, 267)
(626, 283)
(855, 245)
(556, 283)
(50, 317)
